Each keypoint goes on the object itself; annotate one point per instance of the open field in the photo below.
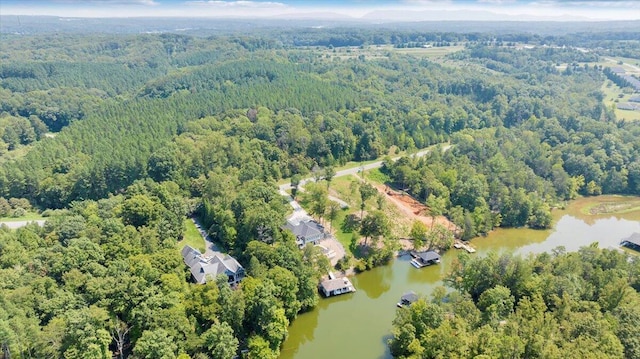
(611, 205)
(29, 216)
(430, 53)
(191, 237)
(614, 95)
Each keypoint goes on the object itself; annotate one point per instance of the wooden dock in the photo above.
(466, 247)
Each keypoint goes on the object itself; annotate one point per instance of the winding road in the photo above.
(358, 169)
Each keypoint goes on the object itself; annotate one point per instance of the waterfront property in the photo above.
(423, 259)
(407, 299)
(632, 241)
(336, 286)
(204, 269)
(308, 231)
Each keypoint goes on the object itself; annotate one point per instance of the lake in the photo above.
(357, 325)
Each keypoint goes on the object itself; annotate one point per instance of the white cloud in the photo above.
(108, 2)
(497, 2)
(238, 4)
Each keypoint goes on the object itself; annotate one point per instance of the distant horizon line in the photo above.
(339, 18)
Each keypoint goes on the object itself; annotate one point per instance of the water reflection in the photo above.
(357, 325)
(573, 233)
(375, 284)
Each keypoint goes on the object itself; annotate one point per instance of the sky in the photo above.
(398, 10)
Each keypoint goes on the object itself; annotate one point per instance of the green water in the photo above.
(357, 325)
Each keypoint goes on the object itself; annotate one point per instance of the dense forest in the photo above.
(553, 305)
(116, 139)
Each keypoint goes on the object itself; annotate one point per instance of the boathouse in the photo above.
(423, 259)
(407, 299)
(632, 241)
(336, 286)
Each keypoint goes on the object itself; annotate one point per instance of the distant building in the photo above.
(306, 232)
(628, 106)
(204, 269)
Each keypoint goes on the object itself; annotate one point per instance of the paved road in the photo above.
(355, 170)
(18, 224)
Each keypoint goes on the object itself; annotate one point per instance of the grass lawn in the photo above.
(375, 175)
(191, 237)
(613, 93)
(431, 52)
(610, 205)
(343, 237)
(29, 216)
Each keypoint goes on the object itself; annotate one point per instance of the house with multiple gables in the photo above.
(204, 269)
(306, 231)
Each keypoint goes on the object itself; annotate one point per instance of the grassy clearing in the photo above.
(19, 152)
(617, 205)
(346, 190)
(614, 95)
(29, 216)
(431, 52)
(191, 237)
(375, 175)
(343, 236)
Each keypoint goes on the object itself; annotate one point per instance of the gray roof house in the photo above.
(204, 268)
(336, 286)
(306, 232)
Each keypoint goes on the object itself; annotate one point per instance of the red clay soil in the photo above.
(412, 208)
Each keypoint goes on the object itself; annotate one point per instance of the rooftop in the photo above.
(305, 229)
(632, 239)
(201, 266)
(330, 285)
(427, 256)
(409, 297)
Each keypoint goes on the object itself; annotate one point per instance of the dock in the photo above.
(466, 247)
(423, 259)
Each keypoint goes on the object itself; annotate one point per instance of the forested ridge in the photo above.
(119, 138)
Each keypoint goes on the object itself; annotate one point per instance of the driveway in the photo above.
(211, 247)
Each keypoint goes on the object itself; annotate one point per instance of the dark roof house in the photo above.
(204, 269)
(423, 259)
(633, 241)
(407, 299)
(306, 232)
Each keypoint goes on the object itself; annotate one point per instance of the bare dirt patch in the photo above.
(413, 209)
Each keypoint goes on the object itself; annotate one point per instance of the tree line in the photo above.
(551, 305)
